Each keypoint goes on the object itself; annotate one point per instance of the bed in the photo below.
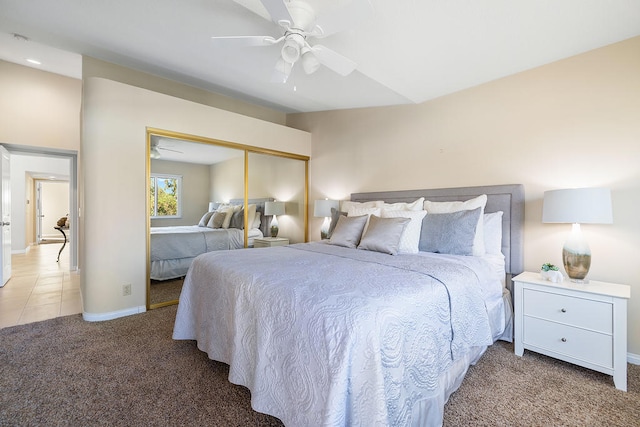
(173, 249)
(324, 334)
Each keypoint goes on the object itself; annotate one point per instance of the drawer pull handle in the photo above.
(564, 310)
(563, 339)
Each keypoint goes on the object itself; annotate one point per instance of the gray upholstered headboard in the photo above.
(264, 220)
(506, 198)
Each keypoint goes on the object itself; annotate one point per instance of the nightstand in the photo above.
(267, 242)
(580, 323)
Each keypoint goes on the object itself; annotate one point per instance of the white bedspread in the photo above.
(329, 336)
(190, 241)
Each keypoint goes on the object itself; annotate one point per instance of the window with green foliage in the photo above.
(165, 194)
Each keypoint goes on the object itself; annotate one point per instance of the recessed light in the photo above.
(33, 61)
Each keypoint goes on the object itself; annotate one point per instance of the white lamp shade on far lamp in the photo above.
(322, 209)
(577, 206)
(274, 209)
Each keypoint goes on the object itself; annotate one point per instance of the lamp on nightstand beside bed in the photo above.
(274, 209)
(576, 206)
(322, 209)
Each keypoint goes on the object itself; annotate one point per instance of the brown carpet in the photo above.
(129, 371)
(165, 290)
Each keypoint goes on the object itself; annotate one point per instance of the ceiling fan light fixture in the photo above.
(310, 63)
(290, 51)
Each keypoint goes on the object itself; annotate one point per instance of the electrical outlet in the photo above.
(126, 289)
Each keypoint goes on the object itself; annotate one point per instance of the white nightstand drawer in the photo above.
(584, 313)
(592, 347)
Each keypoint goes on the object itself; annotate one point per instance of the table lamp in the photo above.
(322, 208)
(577, 206)
(274, 209)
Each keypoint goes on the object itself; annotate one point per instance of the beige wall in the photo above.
(227, 180)
(92, 67)
(114, 220)
(573, 123)
(38, 108)
(195, 191)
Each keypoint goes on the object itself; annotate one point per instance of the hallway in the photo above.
(39, 288)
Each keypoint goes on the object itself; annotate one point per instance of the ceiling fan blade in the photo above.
(345, 18)
(245, 40)
(333, 60)
(169, 149)
(278, 10)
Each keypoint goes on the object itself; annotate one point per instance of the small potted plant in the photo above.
(551, 273)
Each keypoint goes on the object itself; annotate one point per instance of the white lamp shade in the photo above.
(322, 208)
(578, 205)
(273, 208)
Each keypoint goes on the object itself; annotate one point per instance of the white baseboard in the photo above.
(99, 317)
(634, 359)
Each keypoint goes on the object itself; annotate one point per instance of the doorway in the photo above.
(52, 204)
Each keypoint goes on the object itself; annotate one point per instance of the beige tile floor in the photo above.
(39, 287)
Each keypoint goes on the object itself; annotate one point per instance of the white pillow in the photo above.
(410, 239)
(418, 205)
(347, 204)
(471, 204)
(257, 222)
(493, 233)
(359, 211)
(251, 215)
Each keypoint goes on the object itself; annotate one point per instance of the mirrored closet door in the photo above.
(197, 191)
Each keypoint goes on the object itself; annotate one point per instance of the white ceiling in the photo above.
(407, 51)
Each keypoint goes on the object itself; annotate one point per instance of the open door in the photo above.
(5, 215)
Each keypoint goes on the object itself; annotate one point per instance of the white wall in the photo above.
(114, 216)
(20, 166)
(573, 123)
(55, 205)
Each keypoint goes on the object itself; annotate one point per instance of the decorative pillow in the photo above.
(448, 207)
(450, 233)
(237, 220)
(205, 219)
(228, 211)
(335, 215)
(348, 231)
(418, 205)
(347, 204)
(383, 234)
(409, 242)
(493, 233)
(217, 219)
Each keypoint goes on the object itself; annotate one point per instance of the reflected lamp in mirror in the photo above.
(577, 206)
(322, 209)
(274, 209)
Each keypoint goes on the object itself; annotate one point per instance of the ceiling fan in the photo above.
(154, 151)
(298, 22)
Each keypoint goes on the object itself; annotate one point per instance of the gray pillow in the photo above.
(348, 231)
(237, 220)
(205, 219)
(335, 215)
(449, 233)
(216, 220)
(383, 234)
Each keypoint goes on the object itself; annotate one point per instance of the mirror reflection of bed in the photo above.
(211, 180)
